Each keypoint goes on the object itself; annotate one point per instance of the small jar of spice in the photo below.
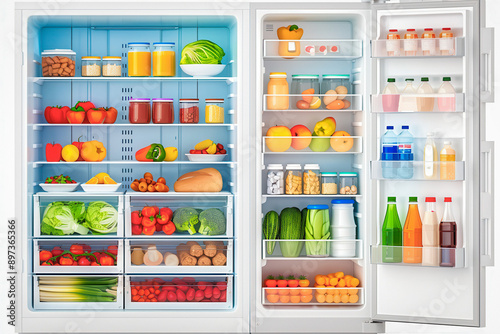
(189, 111)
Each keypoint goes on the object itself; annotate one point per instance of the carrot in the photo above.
(343, 291)
(330, 291)
(319, 279)
(353, 299)
(303, 281)
(273, 298)
(322, 291)
(341, 283)
(295, 299)
(344, 298)
(306, 298)
(339, 274)
(352, 291)
(320, 298)
(354, 282)
(329, 298)
(334, 281)
(284, 299)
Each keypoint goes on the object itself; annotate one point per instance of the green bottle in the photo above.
(392, 234)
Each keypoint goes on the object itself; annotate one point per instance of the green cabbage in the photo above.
(101, 218)
(202, 52)
(62, 218)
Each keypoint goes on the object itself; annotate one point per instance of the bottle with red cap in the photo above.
(447, 236)
(430, 234)
(446, 42)
(393, 43)
(428, 42)
(410, 44)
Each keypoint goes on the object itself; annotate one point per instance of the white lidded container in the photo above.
(293, 179)
(343, 228)
(311, 179)
(275, 179)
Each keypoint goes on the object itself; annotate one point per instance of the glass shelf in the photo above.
(350, 103)
(313, 49)
(326, 145)
(316, 249)
(455, 256)
(432, 103)
(412, 48)
(414, 170)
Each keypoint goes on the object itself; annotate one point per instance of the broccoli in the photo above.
(212, 222)
(186, 219)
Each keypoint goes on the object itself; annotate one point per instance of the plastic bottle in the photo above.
(428, 42)
(410, 42)
(412, 234)
(405, 153)
(408, 103)
(446, 42)
(425, 103)
(390, 96)
(393, 43)
(447, 165)
(392, 234)
(430, 234)
(430, 158)
(446, 103)
(389, 153)
(447, 236)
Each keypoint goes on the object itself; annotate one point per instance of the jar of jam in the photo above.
(214, 110)
(163, 111)
(139, 111)
(189, 111)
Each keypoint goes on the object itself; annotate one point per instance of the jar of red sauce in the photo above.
(139, 111)
(189, 110)
(163, 111)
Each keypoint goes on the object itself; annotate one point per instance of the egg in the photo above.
(329, 97)
(301, 104)
(342, 91)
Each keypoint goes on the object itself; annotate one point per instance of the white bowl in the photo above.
(100, 188)
(59, 187)
(203, 70)
(206, 157)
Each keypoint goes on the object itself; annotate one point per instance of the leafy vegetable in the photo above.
(317, 228)
(62, 218)
(202, 52)
(77, 289)
(186, 219)
(212, 222)
(101, 218)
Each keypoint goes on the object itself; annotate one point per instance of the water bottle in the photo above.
(389, 153)
(405, 153)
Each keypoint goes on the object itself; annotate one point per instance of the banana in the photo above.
(212, 149)
(203, 144)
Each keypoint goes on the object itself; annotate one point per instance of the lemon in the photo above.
(315, 103)
(171, 153)
(70, 153)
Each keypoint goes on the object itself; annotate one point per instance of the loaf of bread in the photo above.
(203, 180)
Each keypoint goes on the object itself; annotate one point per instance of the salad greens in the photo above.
(101, 218)
(317, 229)
(202, 52)
(62, 218)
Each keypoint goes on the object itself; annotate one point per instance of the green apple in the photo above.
(320, 144)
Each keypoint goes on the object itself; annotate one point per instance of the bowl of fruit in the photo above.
(101, 183)
(207, 151)
(59, 184)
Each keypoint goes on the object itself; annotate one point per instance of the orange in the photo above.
(336, 299)
(320, 298)
(284, 299)
(344, 299)
(353, 298)
(309, 91)
(295, 299)
(294, 292)
(329, 298)
(109, 180)
(273, 298)
(93, 180)
(335, 105)
(306, 299)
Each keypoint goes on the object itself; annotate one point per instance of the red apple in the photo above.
(300, 131)
(278, 145)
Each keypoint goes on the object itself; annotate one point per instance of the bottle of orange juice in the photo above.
(447, 165)
(277, 88)
(410, 44)
(446, 42)
(412, 234)
(428, 42)
(393, 43)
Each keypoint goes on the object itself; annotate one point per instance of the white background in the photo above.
(7, 153)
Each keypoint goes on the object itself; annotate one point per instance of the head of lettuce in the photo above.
(101, 218)
(201, 52)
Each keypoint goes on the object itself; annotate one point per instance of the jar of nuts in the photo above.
(329, 183)
(58, 63)
(111, 66)
(293, 179)
(91, 66)
(275, 179)
(348, 183)
(311, 179)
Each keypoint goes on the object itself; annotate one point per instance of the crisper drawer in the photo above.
(70, 292)
(178, 256)
(91, 256)
(179, 293)
(215, 223)
(96, 215)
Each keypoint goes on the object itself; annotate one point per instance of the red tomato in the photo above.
(148, 221)
(157, 210)
(86, 248)
(162, 219)
(76, 249)
(107, 261)
(96, 115)
(111, 114)
(148, 211)
(136, 229)
(56, 251)
(167, 212)
(158, 227)
(83, 261)
(136, 217)
(45, 255)
(149, 230)
(113, 249)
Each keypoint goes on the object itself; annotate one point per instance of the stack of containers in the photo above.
(343, 228)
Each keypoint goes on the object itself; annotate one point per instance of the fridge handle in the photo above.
(487, 70)
(486, 203)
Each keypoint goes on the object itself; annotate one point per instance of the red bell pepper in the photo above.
(76, 115)
(96, 115)
(86, 105)
(56, 115)
(79, 145)
(167, 212)
(162, 219)
(111, 115)
(169, 228)
(53, 152)
(141, 154)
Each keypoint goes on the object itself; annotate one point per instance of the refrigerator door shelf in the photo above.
(314, 49)
(442, 103)
(414, 170)
(415, 48)
(350, 103)
(331, 249)
(100, 246)
(377, 255)
(339, 144)
(172, 246)
(313, 296)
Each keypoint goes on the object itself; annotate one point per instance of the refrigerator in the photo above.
(344, 41)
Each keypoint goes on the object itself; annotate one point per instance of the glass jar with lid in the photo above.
(348, 183)
(293, 179)
(335, 87)
(58, 63)
(277, 86)
(189, 111)
(311, 179)
(139, 111)
(275, 179)
(329, 183)
(139, 59)
(91, 66)
(111, 66)
(164, 59)
(163, 111)
(304, 86)
(214, 110)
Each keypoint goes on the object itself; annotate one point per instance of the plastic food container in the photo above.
(58, 63)
(111, 66)
(343, 228)
(348, 183)
(139, 111)
(189, 111)
(214, 111)
(91, 66)
(163, 111)
(335, 87)
(139, 60)
(275, 179)
(164, 59)
(277, 86)
(306, 85)
(329, 183)
(293, 181)
(321, 217)
(311, 178)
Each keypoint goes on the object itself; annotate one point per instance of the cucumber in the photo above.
(291, 227)
(270, 228)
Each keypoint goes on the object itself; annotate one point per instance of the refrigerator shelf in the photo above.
(302, 292)
(353, 144)
(453, 103)
(454, 47)
(355, 103)
(310, 196)
(176, 194)
(314, 49)
(41, 80)
(138, 125)
(133, 162)
(391, 170)
(455, 256)
(343, 250)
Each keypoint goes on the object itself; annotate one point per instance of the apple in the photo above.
(339, 143)
(319, 144)
(300, 131)
(278, 145)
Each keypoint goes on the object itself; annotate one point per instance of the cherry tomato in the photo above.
(113, 249)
